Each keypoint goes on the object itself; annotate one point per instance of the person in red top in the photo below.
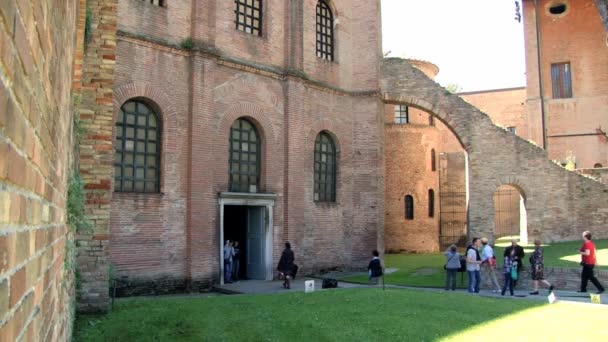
(589, 261)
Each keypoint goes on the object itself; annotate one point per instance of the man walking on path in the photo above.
(488, 264)
(588, 263)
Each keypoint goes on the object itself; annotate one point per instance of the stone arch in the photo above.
(493, 156)
(270, 147)
(510, 214)
(162, 105)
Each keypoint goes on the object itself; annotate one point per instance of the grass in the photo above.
(342, 315)
(427, 269)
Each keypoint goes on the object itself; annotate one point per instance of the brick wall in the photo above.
(96, 154)
(579, 37)
(564, 279)
(37, 50)
(559, 204)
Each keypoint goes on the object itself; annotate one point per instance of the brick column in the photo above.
(96, 154)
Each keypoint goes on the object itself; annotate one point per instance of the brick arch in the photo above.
(560, 204)
(329, 126)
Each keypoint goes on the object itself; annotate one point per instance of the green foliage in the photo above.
(187, 44)
(88, 30)
(76, 205)
(453, 88)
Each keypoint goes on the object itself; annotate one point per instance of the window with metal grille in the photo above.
(431, 203)
(325, 31)
(433, 161)
(409, 207)
(249, 16)
(156, 2)
(561, 80)
(401, 114)
(325, 169)
(137, 149)
(244, 157)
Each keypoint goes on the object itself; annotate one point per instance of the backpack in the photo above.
(329, 283)
(463, 263)
(376, 268)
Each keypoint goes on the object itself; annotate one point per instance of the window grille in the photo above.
(160, 3)
(409, 207)
(401, 114)
(244, 157)
(248, 16)
(325, 31)
(561, 80)
(325, 169)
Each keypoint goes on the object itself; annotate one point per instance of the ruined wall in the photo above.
(37, 50)
(560, 204)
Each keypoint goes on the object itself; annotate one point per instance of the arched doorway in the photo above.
(510, 219)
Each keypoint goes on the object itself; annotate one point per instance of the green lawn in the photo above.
(427, 269)
(343, 315)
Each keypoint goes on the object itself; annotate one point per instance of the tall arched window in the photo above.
(137, 149)
(325, 31)
(433, 161)
(244, 157)
(409, 207)
(431, 203)
(325, 168)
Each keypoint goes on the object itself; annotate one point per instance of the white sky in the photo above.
(476, 44)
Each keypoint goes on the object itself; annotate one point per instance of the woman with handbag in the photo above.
(452, 264)
(537, 263)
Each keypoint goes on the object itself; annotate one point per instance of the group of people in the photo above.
(232, 261)
(480, 256)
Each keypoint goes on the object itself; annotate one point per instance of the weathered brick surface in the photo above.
(560, 204)
(37, 50)
(578, 37)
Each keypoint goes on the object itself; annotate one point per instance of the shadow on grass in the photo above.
(330, 315)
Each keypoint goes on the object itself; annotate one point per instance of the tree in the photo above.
(453, 88)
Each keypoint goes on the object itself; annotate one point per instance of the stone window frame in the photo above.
(408, 203)
(130, 147)
(325, 42)
(402, 114)
(240, 161)
(325, 168)
(561, 80)
(246, 14)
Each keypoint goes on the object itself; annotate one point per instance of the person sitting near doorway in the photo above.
(228, 255)
(236, 261)
(374, 268)
(286, 265)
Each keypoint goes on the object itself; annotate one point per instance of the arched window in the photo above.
(249, 16)
(325, 168)
(325, 31)
(137, 149)
(597, 165)
(431, 203)
(433, 161)
(244, 157)
(409, 207)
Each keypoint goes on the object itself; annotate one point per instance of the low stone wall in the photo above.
(568, 279)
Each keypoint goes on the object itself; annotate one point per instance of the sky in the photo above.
(476, 44)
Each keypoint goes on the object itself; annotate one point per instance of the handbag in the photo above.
(514, 271)
(492, 261)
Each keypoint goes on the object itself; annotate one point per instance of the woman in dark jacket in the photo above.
(286, 265)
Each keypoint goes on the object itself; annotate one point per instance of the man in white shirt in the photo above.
(488, 264)
(473, 262)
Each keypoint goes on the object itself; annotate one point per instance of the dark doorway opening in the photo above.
(235, 229)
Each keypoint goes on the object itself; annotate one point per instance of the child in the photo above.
(507, 273)
(374, 268)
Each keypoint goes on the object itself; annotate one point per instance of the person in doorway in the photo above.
(228, 255)
(516, 253)
(588, 262)
(374, 269)
(473, 262)
(507, 268)
(538, 267)
(452, 265)
(488, 264)
(236, 261)
(285, 266)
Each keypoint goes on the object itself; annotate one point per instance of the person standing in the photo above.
(488, 264)
(516, 253)
(374, 268)
(236, 262)
(473, 262)
(537, 263)
(588, 262)
(228, 254)
(507, 268)
(452, 265)
(286, 265)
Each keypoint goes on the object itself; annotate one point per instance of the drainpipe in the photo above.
(540, 78)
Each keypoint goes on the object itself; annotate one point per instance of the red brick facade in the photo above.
(37, 52)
